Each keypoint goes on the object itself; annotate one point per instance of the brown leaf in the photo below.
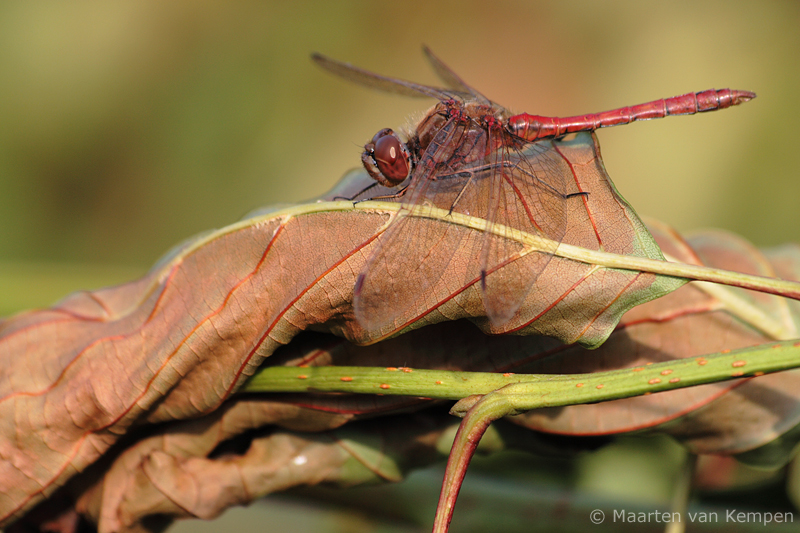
(177, 343)
(160, 473)
(199, 468)
(730, 417)
(572, 301)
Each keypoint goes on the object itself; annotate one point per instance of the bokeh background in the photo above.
(126, 127)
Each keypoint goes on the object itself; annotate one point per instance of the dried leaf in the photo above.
(177, 343)
(199, 468)
(690, 322)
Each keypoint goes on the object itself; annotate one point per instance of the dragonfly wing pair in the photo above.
(465, 162)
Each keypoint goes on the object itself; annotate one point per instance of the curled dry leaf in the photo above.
(159, 473)
(731, 417)
(178, 343)
(241, 452)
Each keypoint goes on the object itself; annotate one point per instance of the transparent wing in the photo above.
(450, 78)
(412, 269)
(384, 83)
(527, 193)
(422, 262)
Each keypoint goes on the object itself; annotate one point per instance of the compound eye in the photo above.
(391, 157)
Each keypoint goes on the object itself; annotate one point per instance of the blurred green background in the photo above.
(126, 127)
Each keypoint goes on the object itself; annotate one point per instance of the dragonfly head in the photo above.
(387, 159)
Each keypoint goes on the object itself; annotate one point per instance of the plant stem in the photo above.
(549, 390)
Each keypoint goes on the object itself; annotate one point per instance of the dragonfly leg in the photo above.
(470, 173)
(356, 195)
(398, 194)
(461, 193)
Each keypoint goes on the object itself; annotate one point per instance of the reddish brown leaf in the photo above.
(572, 301)
(177, 343)
(199, 468)
(687, 323)
(159, 474)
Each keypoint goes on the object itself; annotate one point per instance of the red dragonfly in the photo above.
(472, 156)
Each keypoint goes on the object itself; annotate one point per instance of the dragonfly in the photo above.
(472, 156)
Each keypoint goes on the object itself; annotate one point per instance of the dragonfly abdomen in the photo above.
(535, 127)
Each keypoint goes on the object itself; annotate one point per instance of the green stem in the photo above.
(485, 410)
(485, 397)
(545, 390)
(520, 397)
